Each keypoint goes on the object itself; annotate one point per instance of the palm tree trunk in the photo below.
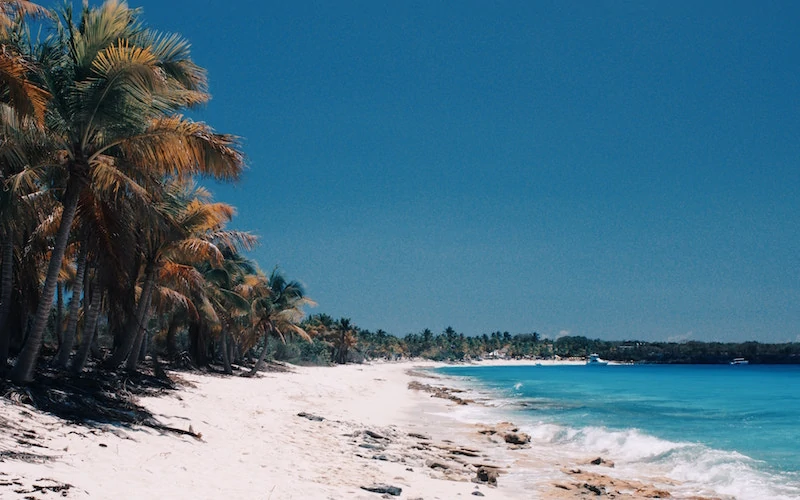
(65, 350)
(26, 361)
(263, 354)
(172, 339)
(6, 286)
(138, 344)
(136, 323)
(226, 360)
(59, 313)
(89, 328)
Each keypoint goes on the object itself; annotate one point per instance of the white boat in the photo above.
(594, 360)
(740, 361)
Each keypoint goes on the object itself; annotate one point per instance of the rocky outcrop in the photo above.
(440, 392)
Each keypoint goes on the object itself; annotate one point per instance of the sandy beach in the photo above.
(310, 433)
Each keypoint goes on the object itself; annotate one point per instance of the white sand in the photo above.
(255, 446)
(253, 443)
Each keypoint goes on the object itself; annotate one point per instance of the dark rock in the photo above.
(380, 457)
(478, 494)
(372, 446)
(594, 489)
(486, 475)
(383, 488)
(601, 461)
(315, 418)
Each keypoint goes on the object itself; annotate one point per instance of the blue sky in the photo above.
(621, 170)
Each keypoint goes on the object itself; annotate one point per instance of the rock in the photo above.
(516, 438)
(419, 436)
(383, 488)
(433, 464)
(375, 435)
(601, 461)
(370, 446)
(486, 475)
(478, 494)
(650, 492)
(563, 486)
(380, 457)
(594, 489)
(315, 418)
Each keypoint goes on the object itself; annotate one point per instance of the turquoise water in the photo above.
(734, 430)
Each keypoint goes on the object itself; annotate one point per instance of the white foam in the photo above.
(699, 470)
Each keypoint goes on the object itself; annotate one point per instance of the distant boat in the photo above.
(594, 360)
(740, 361)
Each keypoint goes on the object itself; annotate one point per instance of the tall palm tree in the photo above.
(115, 87)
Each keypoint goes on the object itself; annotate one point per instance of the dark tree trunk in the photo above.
(172, 339)
(26, 361)
(226, 360)
(59, 313)
(89, 329)
(65, 351)
(198, 350)
(136, 323)
(6, 286)
(139, 344)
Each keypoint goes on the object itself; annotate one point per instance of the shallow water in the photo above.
(731, 430)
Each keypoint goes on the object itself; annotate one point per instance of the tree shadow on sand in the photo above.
(98, 397)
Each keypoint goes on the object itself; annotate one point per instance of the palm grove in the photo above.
(104, 231)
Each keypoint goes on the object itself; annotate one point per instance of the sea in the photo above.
(731, 431)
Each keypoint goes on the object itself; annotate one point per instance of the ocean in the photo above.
(716, 429)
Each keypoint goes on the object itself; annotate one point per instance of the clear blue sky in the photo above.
(620, 169)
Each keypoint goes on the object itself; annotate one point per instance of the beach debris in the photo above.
(383, 488)
(311, 416)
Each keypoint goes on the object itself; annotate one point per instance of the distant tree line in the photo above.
(340, 341)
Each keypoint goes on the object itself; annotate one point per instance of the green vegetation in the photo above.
(452, 346)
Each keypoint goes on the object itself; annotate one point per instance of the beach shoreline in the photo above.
(312, 432)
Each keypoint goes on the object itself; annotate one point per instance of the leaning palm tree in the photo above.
(183, 238)
(115, 89)
(277, 309)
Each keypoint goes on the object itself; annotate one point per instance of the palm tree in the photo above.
(115, 87)
(16, 88)
(21, 200)
(185, 238)
(277, 310)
